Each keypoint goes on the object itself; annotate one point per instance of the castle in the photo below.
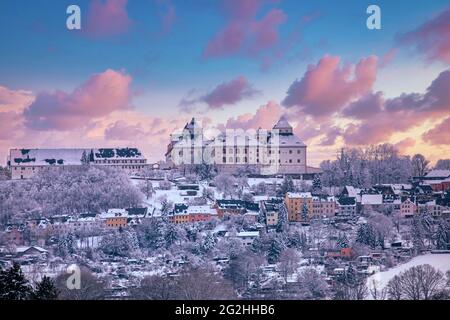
(265, 152)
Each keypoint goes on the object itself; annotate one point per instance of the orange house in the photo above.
(294, 204)
(115, 218)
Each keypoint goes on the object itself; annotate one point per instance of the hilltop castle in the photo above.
(274, 151)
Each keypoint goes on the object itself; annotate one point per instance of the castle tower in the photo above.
(283, 126)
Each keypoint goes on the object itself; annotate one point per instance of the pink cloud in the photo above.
(14, 100)
(440, 134)
(266, 31)
(388, 57)
(365, 107)
(229, 93)
(432, 38)
(330, 137)
(404, 145)
(10, 124)
(99, 96)
(107, 18)
(265, 117)
(381, 119)
(243, 32)
(226, 93)
(327, 87)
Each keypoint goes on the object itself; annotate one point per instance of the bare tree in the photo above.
(311, 285)
(395, 288)
(202, 284)
(155, 288)
(419, 165)
(417, 283)
(288, 262)
(377, 292)
(91, 287)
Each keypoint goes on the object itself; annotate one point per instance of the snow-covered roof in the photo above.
(373, 199)
(299, 195)
(282, 123)
(438, 174)
(198, 210)
(324, 199)
(245, 234)
(62, 156)
(24, 249)
(352, 191)
(114, 213)
(286, 141)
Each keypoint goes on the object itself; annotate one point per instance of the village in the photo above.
(282, 225)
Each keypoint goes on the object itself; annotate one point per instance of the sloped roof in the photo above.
(282, 123)
(438, 174)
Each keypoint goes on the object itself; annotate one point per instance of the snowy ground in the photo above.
(438, 261)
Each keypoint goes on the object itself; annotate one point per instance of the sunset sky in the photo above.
(140, 69)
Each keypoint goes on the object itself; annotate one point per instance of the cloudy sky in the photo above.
(139, 69)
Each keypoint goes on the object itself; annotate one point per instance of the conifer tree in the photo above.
(45, 290)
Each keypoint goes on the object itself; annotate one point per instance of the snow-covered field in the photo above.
(438, 261)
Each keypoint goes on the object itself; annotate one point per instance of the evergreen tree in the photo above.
(297, 240)
(367, 235)
(287, 186)
(45, 290)
(274, 251)
(417, 234)
(282, 218)
(317, 184)
(171, 235)
(13, 284)
(442, 235)
(304, 212)
(208, 242)
(342, 241)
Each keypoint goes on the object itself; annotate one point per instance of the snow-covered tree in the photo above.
(342, 241)
(274, 250)
(442, 235)
(311, 285)
(208, 243)
(366, 235)
(121, 244)
(225, 184)
(13, 284)
(304, 213)
(317, 184)
(287, 186)
(45, 290)
(282, 219)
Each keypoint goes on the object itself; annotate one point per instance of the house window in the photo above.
(224, 160)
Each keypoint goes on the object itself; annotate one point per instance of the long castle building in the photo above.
(25, 163)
